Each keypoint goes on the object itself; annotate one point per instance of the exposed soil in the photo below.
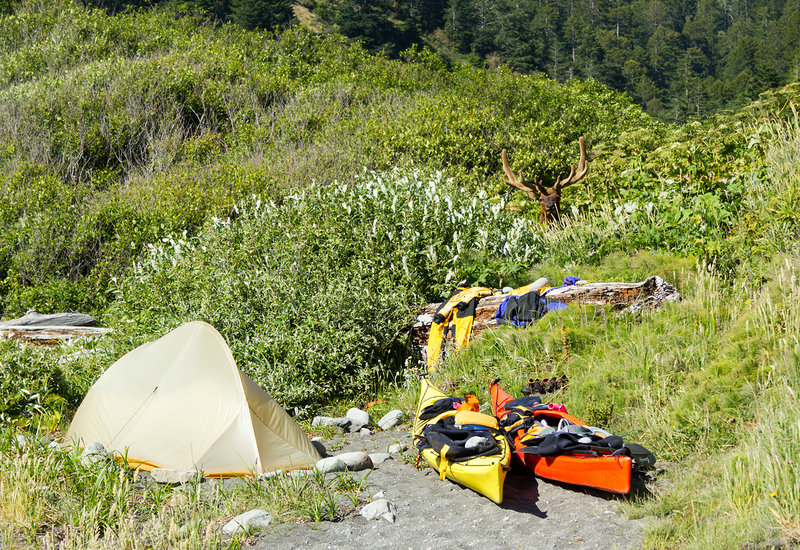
(440, 514)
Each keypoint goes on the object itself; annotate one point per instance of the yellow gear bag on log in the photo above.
(454, 317)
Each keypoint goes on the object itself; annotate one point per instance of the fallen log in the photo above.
(51, 328)
(649, 294)
(50, 335)
(33, 318)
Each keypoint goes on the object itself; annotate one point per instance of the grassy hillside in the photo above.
(306, 198)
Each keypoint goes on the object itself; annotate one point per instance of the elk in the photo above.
(549, 199)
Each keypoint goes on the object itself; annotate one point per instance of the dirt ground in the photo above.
(440, 514)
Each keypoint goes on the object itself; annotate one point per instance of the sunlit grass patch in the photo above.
(50, 498)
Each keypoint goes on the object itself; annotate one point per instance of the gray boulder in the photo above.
(248, 522)
(93, 453)
(359, 417)
(396, 449)
(324, 421)
(391, 419)
(379, 458)
(353, 426)
(320, 447)
(330, 464)
(356, 461)
(380, 508)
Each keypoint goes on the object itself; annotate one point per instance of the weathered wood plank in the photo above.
(52, 328)
(50, 334)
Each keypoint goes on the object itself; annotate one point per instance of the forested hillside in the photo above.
(677, 59)
(306, 196)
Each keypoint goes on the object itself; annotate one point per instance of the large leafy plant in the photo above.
(314, 291)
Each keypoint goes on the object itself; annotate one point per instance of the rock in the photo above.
(379, 494)
(248, 522)
(396, 449)
(53, 446)
(353, 426)
(93, 453)
(391, 419)
(167, 475)
(379, 458)
(95, 448)
(365, 431)
(359, 417)
(320, 447)
(21, 441)
(380, 508)
(324, 421)
(330, 464)
(342, 422)
(356, 461)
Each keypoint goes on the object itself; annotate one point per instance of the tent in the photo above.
(180, 402)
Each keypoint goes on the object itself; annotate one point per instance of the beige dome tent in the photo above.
(180, 402)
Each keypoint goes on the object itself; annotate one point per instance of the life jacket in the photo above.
(461, 436)
(523, 310)
(454, 319)
(543, 439)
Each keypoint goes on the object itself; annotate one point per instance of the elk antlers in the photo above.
(550, 199)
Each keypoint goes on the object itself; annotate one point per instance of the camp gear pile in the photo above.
(460, 443)
(551, 443)
(546, 441)
(452, 322)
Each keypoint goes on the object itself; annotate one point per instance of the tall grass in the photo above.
(709, 384)
(50, 499)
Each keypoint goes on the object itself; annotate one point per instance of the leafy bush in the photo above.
(115, 131)
(40, 379)
(314, 292)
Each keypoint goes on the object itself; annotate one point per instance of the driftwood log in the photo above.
(50, 329)
(649, 294)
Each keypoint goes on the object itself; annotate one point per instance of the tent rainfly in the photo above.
(180, 402)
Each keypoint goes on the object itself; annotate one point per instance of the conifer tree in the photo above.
(366, 21)
(260, 14)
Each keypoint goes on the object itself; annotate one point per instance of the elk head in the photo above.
(549, 199)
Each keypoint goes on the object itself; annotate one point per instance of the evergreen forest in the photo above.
(306, 177)
(677, 59)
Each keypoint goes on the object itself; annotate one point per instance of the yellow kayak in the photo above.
(485, 472)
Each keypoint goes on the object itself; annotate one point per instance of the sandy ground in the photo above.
(440, 514)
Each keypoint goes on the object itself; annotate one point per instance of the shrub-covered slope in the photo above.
(305, 197)
(115, 131)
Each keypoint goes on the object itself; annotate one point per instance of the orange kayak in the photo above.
(596, 468)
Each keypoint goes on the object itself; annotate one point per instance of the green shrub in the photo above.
(314, 292)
